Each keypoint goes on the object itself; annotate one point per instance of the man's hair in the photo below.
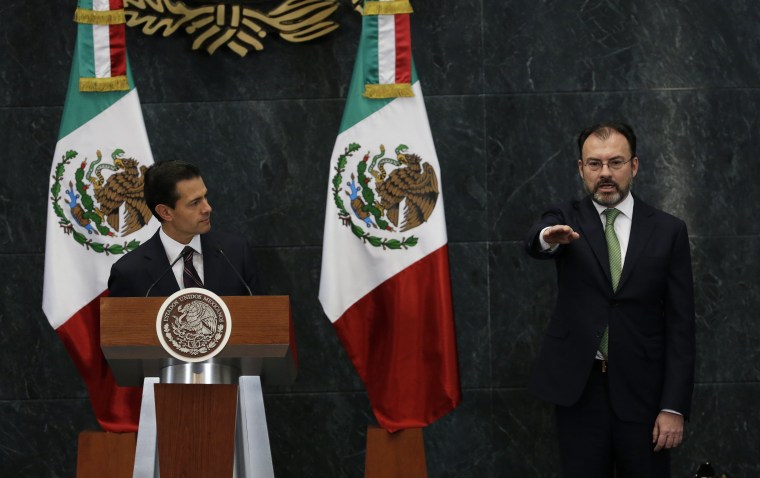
(161, 183)
(604, 130)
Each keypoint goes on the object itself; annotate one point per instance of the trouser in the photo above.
(594, 443)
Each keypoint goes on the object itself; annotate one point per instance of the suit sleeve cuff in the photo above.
(671, 411)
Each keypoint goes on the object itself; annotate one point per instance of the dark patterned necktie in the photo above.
(616, 265)
(190, 277)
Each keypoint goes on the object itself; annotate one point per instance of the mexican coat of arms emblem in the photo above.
(386, 196)
(99, 201)
(193, 324)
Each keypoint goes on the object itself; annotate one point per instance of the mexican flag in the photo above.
(385, 281)
(96, 212)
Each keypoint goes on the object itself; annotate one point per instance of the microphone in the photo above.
(163, 274)
(220, 251)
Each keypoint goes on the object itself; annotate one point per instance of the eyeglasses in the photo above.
(596, 165)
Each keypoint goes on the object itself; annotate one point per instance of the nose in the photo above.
(207, 206)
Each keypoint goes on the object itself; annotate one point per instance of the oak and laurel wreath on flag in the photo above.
(345, 217)
(55, 190)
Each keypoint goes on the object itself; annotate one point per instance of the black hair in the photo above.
(161, 183)
(603, 131)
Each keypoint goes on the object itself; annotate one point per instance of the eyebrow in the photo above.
(197, 198)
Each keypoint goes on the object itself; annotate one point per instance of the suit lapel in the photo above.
(212, 272)
(591, 230)
(156, 263)
(642, 228)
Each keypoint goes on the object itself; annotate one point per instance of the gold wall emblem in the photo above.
(234, 25)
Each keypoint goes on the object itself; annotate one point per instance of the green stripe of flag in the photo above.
(86, 48)
(371, 35)
(82, 107)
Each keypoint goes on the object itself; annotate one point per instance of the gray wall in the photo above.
(508, 84)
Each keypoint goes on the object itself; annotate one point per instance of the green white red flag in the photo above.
(96, 212)
(385, 282)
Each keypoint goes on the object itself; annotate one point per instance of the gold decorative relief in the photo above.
(357, 6)
(238, 27)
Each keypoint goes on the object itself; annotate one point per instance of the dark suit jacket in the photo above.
(132, 275)
(650, 317)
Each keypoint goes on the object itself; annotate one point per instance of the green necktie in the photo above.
(616, 265)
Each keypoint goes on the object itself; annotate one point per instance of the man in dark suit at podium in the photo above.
(185, 252)
(618, 353)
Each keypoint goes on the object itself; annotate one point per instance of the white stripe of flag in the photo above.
(386, 49)
(101, 39)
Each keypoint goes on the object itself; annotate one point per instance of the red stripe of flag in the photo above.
(403, 49)
(401, 339)
(118, 43)
(116, 408)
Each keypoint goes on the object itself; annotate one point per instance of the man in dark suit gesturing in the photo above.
(221, 263)
(618, 353)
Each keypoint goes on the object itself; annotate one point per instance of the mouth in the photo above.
(606, 187)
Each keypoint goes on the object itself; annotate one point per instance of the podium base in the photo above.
(252, 456)
(105, 454)
(196, 429)
(395, 455)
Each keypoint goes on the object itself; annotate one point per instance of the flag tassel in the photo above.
(394, 90)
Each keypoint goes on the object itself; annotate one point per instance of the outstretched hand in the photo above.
(560, 235)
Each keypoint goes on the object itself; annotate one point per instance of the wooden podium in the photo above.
(193, 413)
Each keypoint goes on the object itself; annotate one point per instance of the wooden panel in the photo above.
(106, 454)
(128, 326)
(195, 428)
(259, 343)
(395, 455)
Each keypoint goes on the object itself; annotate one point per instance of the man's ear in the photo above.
(164, 211)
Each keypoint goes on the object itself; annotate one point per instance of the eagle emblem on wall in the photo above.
(235, 25)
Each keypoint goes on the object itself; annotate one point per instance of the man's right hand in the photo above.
(561, 234)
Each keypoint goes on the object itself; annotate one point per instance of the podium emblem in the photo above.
(193, 324)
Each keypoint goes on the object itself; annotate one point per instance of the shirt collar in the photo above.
(174, 249)
(625, 206)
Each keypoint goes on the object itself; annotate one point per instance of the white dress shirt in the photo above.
(174, 250)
